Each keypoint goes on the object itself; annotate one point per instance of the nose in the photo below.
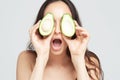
(57, 28)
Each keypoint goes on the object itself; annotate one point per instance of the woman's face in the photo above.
(58, 9)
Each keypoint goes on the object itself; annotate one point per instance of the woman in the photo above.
(57, 57)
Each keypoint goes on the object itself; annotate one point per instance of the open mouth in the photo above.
(56, 44)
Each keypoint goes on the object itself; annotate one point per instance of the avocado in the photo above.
(67, 25)
(46, 25)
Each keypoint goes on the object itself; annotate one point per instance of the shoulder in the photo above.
(25, 64)
(27, 58)
(27, 54)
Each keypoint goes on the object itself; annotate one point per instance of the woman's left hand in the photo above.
(78, 45)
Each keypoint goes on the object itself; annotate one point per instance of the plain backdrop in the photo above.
(100, 17)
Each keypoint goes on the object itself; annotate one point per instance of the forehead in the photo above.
(57, 8)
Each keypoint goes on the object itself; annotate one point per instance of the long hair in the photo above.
(91, 65)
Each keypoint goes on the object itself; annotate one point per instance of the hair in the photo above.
(91, 59)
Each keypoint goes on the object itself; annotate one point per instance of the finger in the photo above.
(52, 33)
(84, 34)
(34, 30)
(67, 39)
(78, 28)
(30, 32)
(34, 27)
(76, 24)
(81, 32)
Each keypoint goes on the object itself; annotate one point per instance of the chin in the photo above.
(60, 52)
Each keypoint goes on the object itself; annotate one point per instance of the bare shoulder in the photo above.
(25, 64)
(27, 58)
(27, 54)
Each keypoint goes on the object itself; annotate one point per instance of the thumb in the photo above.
(52, 33)
(67, 39)
(50, 36)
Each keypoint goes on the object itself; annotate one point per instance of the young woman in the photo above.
(57, 57)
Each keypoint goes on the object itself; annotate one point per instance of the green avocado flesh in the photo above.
(67, 25)
(46, 25)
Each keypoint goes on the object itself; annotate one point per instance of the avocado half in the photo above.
(67, 25)
(46, 25)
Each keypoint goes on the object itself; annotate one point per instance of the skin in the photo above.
(50, 64)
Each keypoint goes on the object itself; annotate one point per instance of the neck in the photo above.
(57, 60)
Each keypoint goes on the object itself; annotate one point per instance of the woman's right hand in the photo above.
(40, 44)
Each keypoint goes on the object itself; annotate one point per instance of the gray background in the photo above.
(100, 17)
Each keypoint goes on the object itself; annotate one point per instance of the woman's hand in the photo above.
(42, 48)
(41, 44)
(77, 49)
(78, 45)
